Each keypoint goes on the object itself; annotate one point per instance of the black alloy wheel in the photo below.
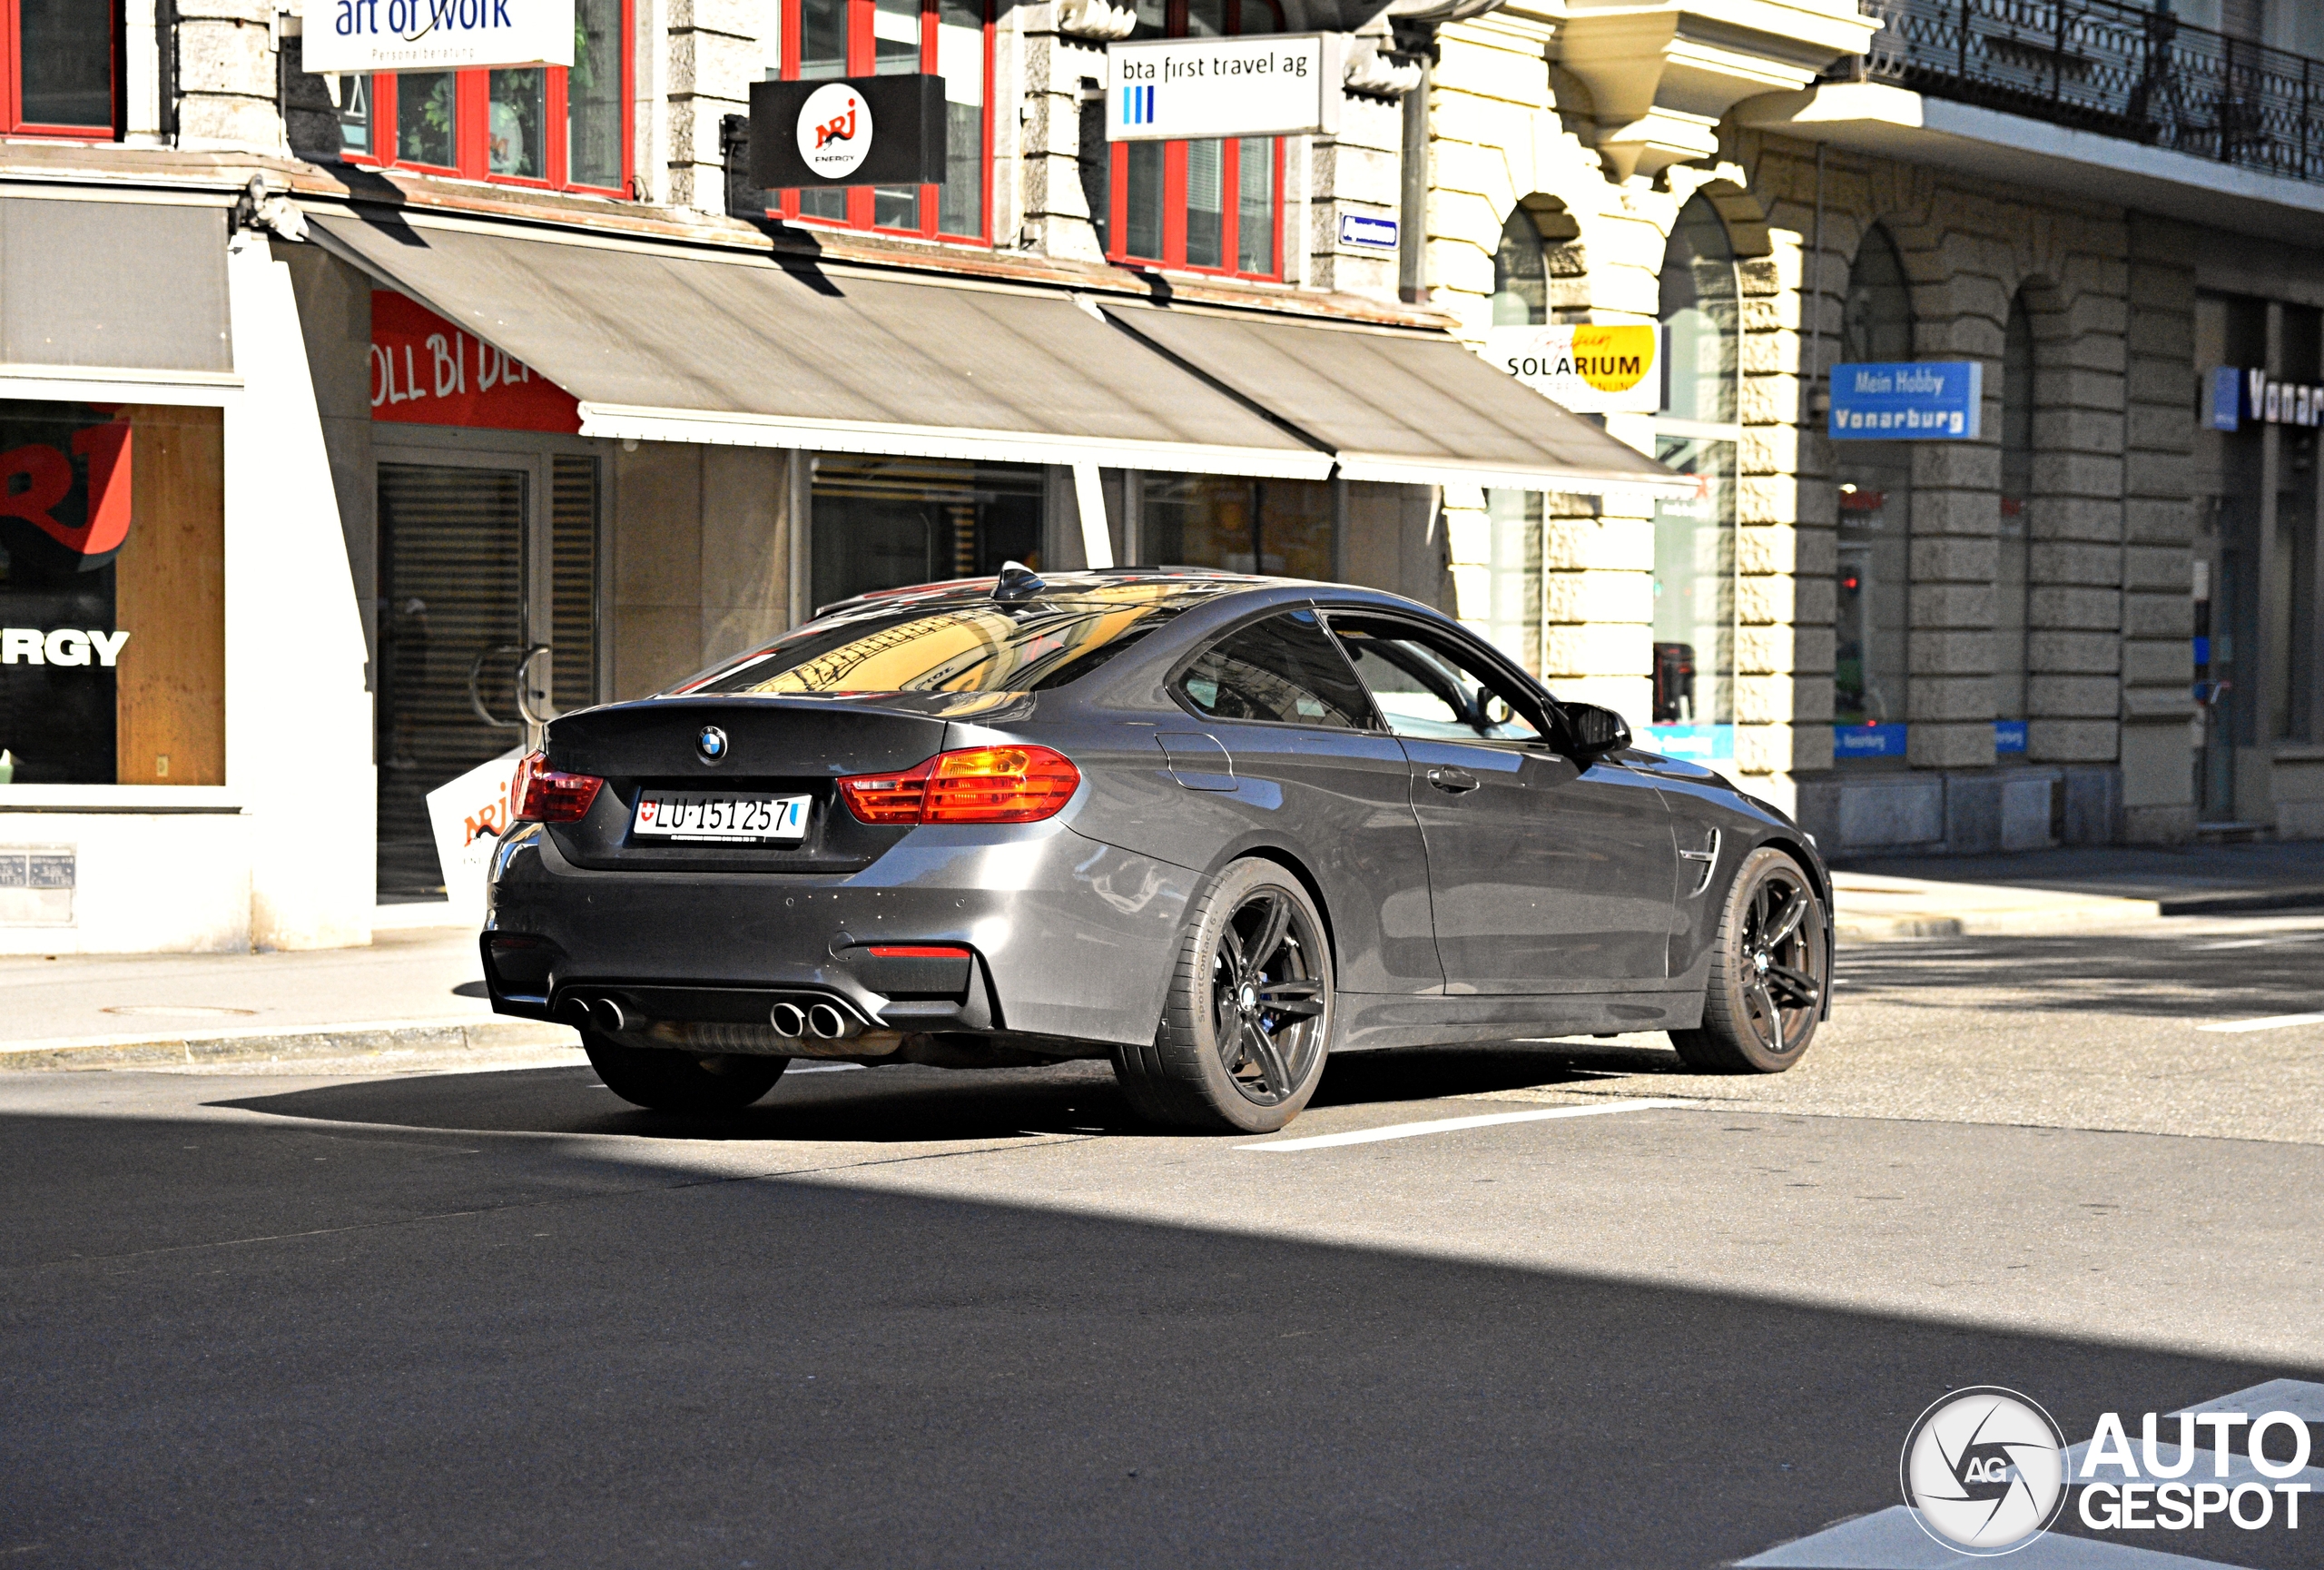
(1264, 998)
(1247, 1022)
(1768, 973)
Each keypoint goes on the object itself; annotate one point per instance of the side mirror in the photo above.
(1596, 731)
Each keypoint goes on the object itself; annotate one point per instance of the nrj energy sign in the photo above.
(358, 35)
(1590, 370)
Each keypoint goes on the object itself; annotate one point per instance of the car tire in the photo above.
(1241, 1045)
(1770, 969)
(675, 1082)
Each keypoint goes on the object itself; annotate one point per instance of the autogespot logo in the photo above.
(1985, 1471)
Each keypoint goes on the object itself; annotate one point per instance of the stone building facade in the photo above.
(2039, 588)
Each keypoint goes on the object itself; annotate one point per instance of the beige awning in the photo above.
(1398, 404)
(670, 343)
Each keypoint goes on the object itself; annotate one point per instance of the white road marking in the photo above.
(2272, 1022)
(2278, 940)
(1891, 1540)
(1454, 1125)
(798, 1068)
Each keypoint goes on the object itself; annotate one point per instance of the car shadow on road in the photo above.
(908, 1105)
(517, 1358)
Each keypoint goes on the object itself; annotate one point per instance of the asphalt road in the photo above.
(900, 1316)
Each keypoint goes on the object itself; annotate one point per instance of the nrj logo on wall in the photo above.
(834, 131)
(358, 35)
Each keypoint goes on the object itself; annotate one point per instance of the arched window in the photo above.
(2012, 582)
(1521, 275)
(1694, 539)
(1870, 668)
(1700, 313)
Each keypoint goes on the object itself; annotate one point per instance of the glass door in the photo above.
(486, 619)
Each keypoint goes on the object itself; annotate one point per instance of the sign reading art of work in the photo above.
(1929, 401)
(1270, 85)
(425, 370)
(1589, 370)
(358, 35)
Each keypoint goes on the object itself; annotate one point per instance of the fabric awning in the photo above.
(1400, 405)
(674, 344)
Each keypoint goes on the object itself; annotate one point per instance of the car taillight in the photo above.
(985, 784)
(542, 795)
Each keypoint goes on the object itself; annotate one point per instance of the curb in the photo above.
(178, 1049)
(2035, 923)
(2293, 899)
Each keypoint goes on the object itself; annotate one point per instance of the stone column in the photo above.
(2075, 607)
(713, 56)
(2158, 527)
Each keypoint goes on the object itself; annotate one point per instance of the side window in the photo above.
(1281, 668)
(1430, 687)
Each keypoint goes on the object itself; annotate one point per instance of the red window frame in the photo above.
(12, 80)
(862, 59)
(1174, 182)
(472, 124)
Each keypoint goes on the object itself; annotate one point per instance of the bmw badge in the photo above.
(711, 744)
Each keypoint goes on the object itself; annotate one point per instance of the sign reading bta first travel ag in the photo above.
(361, 35)
(1274, 85)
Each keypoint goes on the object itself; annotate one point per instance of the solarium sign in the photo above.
(358, 35)
(1927, 400)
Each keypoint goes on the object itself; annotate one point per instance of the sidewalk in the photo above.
(418, 990)
(2055, 891)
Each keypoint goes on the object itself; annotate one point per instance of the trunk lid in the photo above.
(774, 746)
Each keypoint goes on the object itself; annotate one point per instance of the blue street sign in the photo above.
(1868, 741)
(1930, 401)
(1370, 233)
(2009, 735)
(1695, 742)
(2224, 395)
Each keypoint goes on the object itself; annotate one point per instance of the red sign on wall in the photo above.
(427, 371)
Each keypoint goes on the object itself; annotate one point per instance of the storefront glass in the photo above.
(517, 136)
(885, 522)
(1870, 667)
(63, 52)
(593, 139)
(488, 619)
(427, 118)
(2014, 533)
(1278, 527)
(1694, 538)
(1513, 585)
(112, 594)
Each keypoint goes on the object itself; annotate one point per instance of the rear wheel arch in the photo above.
(1290, 862)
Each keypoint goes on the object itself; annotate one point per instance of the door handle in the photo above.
(1453, 781)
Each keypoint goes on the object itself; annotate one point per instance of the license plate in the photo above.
(721, 817)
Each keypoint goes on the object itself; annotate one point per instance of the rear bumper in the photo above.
(1071, 937)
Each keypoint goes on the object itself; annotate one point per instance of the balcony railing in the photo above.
(2115, 68)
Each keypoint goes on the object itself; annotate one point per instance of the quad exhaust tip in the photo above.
(828, 1023)
(608, 1016)
(788, 1019)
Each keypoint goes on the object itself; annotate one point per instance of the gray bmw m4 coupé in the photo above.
(1211, 828)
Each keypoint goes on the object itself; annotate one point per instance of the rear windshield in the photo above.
(979, 645)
